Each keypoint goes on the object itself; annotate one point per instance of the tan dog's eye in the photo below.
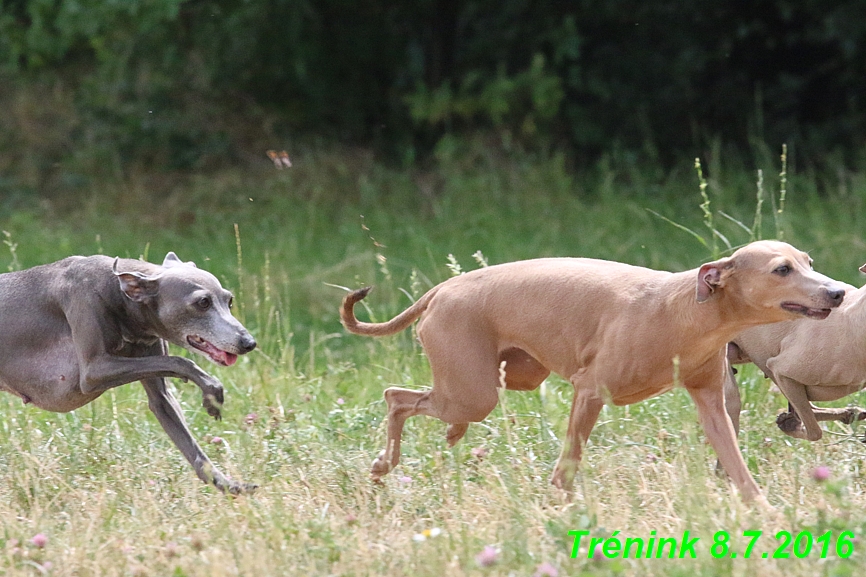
(782, 270)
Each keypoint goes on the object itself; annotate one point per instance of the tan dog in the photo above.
(613, 330)
(809, 361)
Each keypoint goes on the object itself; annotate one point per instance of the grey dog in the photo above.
(75, 328)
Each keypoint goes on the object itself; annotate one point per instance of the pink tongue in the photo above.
(221, 357)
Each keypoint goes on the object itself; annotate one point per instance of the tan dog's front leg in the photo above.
(733, 405)
(710, 402)
(733, 401)
(584, 413)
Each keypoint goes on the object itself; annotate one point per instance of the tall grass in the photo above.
(304, 413)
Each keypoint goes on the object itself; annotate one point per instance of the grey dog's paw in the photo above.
(236, 488)
(789, 422)
(213, 398)
(213, 405)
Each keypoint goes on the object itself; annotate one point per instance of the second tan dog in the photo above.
(808, 361)
(617, 332)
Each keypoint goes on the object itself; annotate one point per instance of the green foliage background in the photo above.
(95, 85)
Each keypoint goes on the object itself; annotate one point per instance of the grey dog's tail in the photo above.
(395, 325)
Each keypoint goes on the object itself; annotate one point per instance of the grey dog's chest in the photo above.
(132, 344)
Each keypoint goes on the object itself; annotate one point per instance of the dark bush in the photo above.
(181, 84)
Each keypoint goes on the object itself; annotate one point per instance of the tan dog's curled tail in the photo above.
(395, 325)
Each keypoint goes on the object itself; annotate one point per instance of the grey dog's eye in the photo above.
(203, 303)
(231, 302)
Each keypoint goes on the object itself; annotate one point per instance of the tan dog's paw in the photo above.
(790, 423)
(853, 414)
(455, 433)
(563, 476)
(763, 506)
(380, 468)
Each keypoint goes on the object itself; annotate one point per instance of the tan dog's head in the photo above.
(773, 277)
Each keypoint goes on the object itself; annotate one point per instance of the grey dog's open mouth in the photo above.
(806, 311)
(217, 355)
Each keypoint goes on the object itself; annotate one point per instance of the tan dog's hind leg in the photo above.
(522, 373)
(710, 402)
(402, 404)
(455, 432)
(465, 379)
(789, 422)
(845, 415)
(584, 413)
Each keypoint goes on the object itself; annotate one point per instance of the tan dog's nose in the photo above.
(836, 295)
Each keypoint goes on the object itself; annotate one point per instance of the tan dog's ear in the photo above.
(710, 278)
(863, 268)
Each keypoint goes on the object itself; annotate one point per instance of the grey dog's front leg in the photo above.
(109, 371)
(168, 412)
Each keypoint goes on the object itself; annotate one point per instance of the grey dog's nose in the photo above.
(248, 343)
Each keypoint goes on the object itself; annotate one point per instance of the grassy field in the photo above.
(108, 494)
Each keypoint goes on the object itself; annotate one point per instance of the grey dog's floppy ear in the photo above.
(710, 278)
(171, 260)
(137, 286)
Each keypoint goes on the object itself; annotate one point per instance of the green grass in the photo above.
(115, 497)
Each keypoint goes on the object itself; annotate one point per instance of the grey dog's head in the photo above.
(193, 310)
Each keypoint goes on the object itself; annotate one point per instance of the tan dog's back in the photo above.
(585, 311)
